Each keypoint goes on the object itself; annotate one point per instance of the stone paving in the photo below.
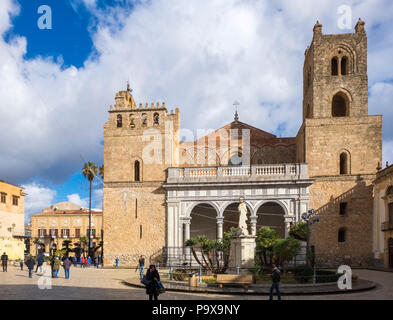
(91, 283)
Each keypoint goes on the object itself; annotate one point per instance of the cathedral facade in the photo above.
(160, 191)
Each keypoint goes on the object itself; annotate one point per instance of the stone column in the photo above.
(187, 224)
(253, 220)
(220, 224)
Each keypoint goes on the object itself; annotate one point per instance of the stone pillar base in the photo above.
(243, 251)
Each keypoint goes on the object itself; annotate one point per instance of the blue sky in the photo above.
(198, 55)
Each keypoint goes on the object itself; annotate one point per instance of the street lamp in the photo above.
(309, 219)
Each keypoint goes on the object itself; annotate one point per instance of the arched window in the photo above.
(344, 66)
(342, 234)
(156, 118)
(144, 119)
(132, 120)
(340, 105)
(119, 121)
(344, 163)
(136, 171)
(334, 66)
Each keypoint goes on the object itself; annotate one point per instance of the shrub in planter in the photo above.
(303, 273)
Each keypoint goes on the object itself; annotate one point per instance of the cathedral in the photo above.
(160, 191)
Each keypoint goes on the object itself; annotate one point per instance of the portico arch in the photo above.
(271, 213)
(230, 215)
(203, 221)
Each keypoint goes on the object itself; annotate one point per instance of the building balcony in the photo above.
(18, 233)
(387, 225)
(268, 173)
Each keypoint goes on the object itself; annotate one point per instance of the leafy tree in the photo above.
(266, 238)
(60, 253)
(299, 231)
(285, 250)
(101, 171)
(215, 254)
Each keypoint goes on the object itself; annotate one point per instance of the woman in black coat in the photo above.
(152, 277)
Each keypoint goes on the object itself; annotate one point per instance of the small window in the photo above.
(236, 160)
(156, 118)
(15, 200)
(308, 112)
(343, 209)
(137, 171)
(343, 163)
(335, 67)
(140, 232)
(341, 235)
(344, 66)
(132, 121)
(53, 233)
(119, 121)
(77, 233)
(136, 208)
(3, 197)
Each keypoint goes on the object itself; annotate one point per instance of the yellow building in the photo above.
(383, 216)
(60, 222)
(12, 215)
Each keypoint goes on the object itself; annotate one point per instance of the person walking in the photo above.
(74, 261)
(83, 262)
(30, 265)
(4, 261)
(56, 267)
(276, 278)
(141, 263)
(40, 262)
(152, 287)
(21, 264)
(117, 263)
(88, 261)
(66, 266)
(52, 266)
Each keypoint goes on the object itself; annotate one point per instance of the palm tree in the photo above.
(90, 172)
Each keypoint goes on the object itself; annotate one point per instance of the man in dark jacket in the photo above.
(4, 261)
(152, 288)
(66, 266)
(141, 264)
(30, 265)
(40, 262)
(276, 278)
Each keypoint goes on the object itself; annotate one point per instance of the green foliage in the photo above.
(215, 254)
(299, 231)
(303, 273)
(285, 250)
(266, 238)
(60, 253)
(90, 171)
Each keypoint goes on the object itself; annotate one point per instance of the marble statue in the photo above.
(243, 217)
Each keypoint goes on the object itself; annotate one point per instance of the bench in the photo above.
(235, 279)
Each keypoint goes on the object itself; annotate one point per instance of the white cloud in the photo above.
(76, 199)
(38, 197)
(200, 56)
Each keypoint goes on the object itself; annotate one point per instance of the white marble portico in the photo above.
(286, 185)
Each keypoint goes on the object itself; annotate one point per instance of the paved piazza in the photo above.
(91, 283)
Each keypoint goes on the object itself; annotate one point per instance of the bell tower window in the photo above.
(344, 66)
(344, 163)
(119, 121)
(340, 105)
(136, 171)
(334, 66)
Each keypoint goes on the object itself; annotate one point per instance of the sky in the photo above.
(199, 55)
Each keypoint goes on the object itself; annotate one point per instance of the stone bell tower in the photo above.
(138, 148)
(341, 144)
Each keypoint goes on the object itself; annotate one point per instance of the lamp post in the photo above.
(309, 219)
